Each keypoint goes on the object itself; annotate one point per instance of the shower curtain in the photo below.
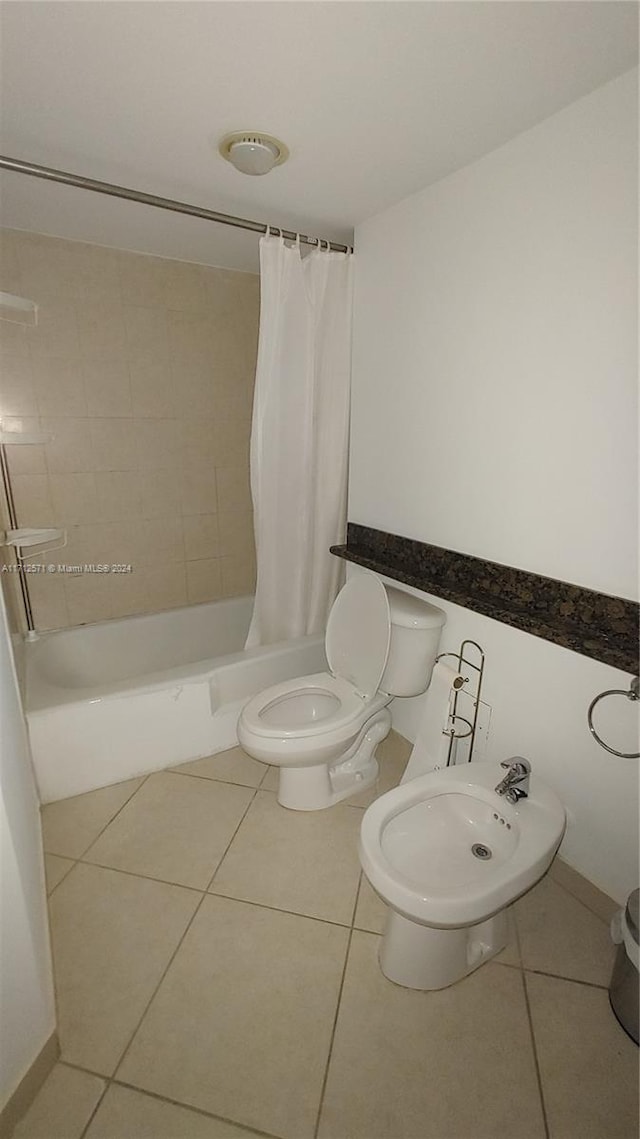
(299, 437)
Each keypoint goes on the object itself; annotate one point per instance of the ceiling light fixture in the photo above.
(252, 152)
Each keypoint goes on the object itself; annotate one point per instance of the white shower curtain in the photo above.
(299, 437)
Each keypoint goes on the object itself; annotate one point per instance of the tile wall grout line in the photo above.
(536, 1062)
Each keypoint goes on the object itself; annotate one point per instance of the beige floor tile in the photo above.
(176, 829)
(233, 766)
(559, 935)
(392, 755)
(592, 897)
(242, 1022)
(62, 1107)
(71, 825)
(113, 935)
(454, 1064)
(511, 953)
(55, 869)
(303, 861)
(371, 912)
(588, 1065)
(126, 1114)
(270, 781)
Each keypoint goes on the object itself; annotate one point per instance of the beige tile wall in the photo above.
(142, 370)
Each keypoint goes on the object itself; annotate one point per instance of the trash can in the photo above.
(623, 990)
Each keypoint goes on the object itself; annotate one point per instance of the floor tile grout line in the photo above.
(111, 1081)
(569, 980)
(279, 910)
(107, 824)
(197, 1110)
(357, 899)
(66, 874)
(213, 894)
(177, 948)
(207, 778)
(536, 1061)
(96, 1108)
(575, 897)
(532, 1034)
(333, 1034)
(133, 1035)
(228, 846)
(138, 874)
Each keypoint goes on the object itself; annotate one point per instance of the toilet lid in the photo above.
(358, 632)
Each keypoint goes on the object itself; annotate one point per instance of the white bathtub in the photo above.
(111, 701)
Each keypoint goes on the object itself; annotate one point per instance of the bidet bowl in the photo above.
(445, 850)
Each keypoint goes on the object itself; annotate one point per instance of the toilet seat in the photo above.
(260, 715)
(332, 705)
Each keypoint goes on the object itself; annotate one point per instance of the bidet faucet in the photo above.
(515, 784)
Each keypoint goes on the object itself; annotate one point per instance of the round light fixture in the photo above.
(253, 153)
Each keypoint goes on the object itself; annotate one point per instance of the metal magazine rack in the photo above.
(457, 719)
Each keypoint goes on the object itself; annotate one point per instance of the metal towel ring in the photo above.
(632, 694)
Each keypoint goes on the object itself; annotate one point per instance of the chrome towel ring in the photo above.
(632, 694)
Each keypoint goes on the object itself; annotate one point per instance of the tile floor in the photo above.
(217, 977)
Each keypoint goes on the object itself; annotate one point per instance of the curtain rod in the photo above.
(52, 175)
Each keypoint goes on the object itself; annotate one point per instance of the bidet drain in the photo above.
(481, 851)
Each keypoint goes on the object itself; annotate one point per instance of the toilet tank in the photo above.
(416, 626)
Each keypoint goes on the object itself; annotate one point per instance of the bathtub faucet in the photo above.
(515, 784)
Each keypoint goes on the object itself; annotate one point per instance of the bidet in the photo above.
(449, 853)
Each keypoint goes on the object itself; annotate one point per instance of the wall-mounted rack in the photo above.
(633, 693)
(17, 309)
(35, 541)
(456, 718)
(25, 538)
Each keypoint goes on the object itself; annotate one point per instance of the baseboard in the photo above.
(29, 1086)
(581, 888)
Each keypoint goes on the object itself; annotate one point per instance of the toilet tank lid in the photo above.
(412, 612)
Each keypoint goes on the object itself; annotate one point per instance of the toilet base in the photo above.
(312, 788)
(423, 957)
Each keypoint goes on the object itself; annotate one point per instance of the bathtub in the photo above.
(110, 701)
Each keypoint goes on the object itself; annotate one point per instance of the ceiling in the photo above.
(374, 99)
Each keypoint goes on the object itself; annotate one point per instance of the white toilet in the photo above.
(322, 730)
(449, 854)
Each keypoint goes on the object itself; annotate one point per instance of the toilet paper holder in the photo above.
(456, 717)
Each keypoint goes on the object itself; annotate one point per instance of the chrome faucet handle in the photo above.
(514, 794)
(521, 765)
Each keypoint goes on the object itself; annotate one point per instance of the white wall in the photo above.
(494, 412)
(27, 1013)
(495, 353)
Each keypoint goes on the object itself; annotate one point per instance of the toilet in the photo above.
(322, 730)
(449, 855)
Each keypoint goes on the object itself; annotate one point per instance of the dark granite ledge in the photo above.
(593, 624)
